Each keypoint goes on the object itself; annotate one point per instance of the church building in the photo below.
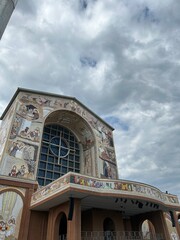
(59, 177)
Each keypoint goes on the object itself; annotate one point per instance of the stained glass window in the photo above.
(60, 153)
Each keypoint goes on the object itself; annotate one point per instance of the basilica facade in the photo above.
(59, 177)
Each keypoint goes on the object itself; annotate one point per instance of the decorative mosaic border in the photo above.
(94, 184)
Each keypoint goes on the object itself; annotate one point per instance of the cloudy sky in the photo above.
(121, 58)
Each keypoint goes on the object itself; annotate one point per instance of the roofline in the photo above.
(51, 95)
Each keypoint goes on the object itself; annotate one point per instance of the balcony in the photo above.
(81, 186)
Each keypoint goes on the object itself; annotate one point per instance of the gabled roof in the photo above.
(25, 90)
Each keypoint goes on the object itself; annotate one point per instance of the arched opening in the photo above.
(109, 229)
(63, 227)
(148, 230)
(68, 144)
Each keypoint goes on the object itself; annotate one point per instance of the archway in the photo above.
(68, 144)
(63, 227)
(109, 229)
(148, 230)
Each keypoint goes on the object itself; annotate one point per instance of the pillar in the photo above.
(74, 226)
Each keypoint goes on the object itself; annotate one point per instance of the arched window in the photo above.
(148, 230)
(63, 227)
(60, 153)
(179, 219)
(109, 229)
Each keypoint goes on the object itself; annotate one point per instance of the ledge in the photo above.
(108, 187)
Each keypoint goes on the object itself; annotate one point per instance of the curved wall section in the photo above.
(111, 188)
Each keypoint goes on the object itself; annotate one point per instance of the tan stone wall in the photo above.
(38, 225)
(99, 215)
(86, 221)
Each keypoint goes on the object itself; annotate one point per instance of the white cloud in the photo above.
(134, 83)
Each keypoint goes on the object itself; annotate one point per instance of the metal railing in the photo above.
(108, 235)
(124, 235)
(63, 237)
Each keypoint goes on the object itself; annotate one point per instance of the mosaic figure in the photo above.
(11, 209)
(27, 154)
(16, 126)
(10, 226)
(13, 171)
(107, 170)
(42, 101)
(21, 171)
(28, 111)
(103, 153)
(14, 148)
(87, 162)
(2, 230)
(32, 135)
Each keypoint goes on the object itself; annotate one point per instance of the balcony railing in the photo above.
(104, 185)
(124, 235)
(63, 237)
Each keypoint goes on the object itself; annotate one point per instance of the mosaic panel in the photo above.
(11, 206)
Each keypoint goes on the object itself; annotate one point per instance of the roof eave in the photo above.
(51, 95)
